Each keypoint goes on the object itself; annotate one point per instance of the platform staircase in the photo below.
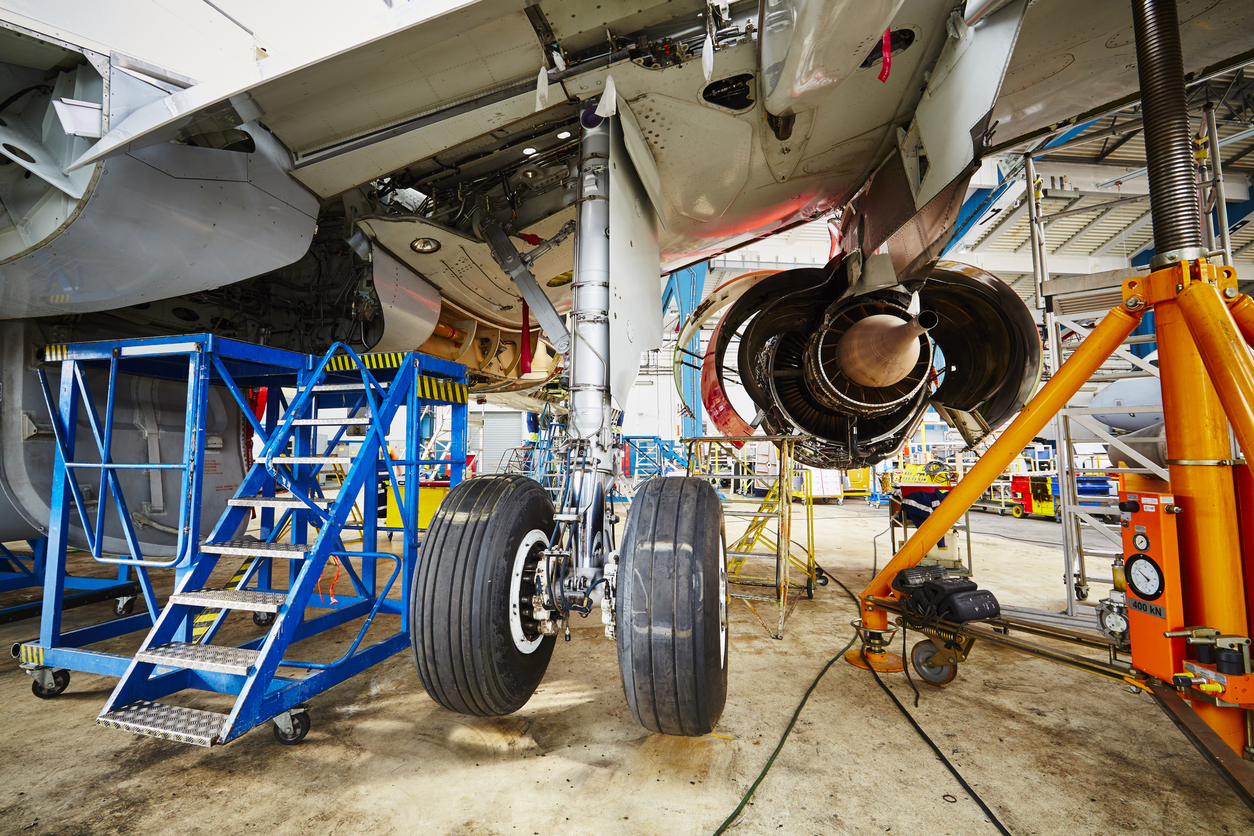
(179, 652)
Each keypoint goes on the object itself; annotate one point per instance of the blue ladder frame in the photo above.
(376, 385)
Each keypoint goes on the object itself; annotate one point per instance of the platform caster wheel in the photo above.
(810, 588)
(264, 619)
(1081, 592)
(60, 681)
(123, 607)
(476, 644)
(1017, 512)
(935, 674)
(299, 721)
(672, 607)
(1001, 512)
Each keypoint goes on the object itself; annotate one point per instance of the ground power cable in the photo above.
(730, 820)
(996, 822)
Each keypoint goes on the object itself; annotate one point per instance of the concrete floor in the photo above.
(1050, 750)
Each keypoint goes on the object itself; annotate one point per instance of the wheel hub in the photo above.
(523, 626)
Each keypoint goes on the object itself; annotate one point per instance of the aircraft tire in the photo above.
(672, 607)
(463, 622)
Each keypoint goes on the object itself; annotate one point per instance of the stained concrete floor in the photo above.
(1050, 750)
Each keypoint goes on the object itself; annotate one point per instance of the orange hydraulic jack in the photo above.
(1207, 374)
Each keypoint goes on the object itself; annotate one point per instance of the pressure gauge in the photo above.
(1144, 577)
(1141, 542)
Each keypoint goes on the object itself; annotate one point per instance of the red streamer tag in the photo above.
(888, 55)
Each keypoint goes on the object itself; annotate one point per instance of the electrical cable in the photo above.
(996, 822)
(906, 667)
(4, 105)
(722, 828)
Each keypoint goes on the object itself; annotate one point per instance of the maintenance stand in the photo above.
(178, 653)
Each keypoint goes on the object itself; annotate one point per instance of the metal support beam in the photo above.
(1127, 232)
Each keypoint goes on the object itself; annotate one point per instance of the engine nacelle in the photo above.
(855, 367)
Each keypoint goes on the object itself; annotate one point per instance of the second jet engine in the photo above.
(851, 362)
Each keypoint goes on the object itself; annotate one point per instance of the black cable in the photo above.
(996, 822)
(722, 828)
(4, 105)
(905, 666)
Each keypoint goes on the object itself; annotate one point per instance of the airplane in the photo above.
(502, 183)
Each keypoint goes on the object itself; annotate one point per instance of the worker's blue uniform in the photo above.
(919, 505)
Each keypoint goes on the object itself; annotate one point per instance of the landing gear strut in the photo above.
(507, 564)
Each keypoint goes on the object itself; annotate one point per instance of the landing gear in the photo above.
(937, 674)
(476, 641)
(49, 683)
(672, 607)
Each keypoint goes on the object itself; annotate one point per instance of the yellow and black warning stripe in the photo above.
(382, 360)
(59, 299)
(429, 388)
(32, 654)
(55, 353)
(439, 389)
(204, 621)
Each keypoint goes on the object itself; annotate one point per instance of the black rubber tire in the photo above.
(460, 623)
(61, 681)
(123, 607)
(300, 728)
(1017, 511)
(265, 619)
(672, 607)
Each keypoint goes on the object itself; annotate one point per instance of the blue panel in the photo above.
(684, 287)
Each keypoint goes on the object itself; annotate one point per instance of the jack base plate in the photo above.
(880, 662)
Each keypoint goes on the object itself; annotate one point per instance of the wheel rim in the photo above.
(522, 627)
(932, 673)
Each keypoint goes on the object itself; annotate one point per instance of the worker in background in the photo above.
(917, 506)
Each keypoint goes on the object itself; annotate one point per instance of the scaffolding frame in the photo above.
(730, 466)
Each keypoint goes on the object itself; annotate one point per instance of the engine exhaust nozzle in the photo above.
(880, 350)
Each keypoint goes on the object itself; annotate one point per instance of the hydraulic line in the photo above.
(1173, 195)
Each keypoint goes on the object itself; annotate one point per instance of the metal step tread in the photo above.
(168, 722)
(201, 657)
(256, 547)
(344, 387)
(329, 422)
(276, 501)
(232, 599)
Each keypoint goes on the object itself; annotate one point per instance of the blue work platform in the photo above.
(300, 526)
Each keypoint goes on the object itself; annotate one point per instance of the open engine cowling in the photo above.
(854, 368)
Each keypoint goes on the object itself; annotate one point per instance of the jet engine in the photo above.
(852, 362)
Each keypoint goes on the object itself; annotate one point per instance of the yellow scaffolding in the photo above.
(736, 473)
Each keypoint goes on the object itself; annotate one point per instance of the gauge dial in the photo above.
(1144, 577)
(1141, 542)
